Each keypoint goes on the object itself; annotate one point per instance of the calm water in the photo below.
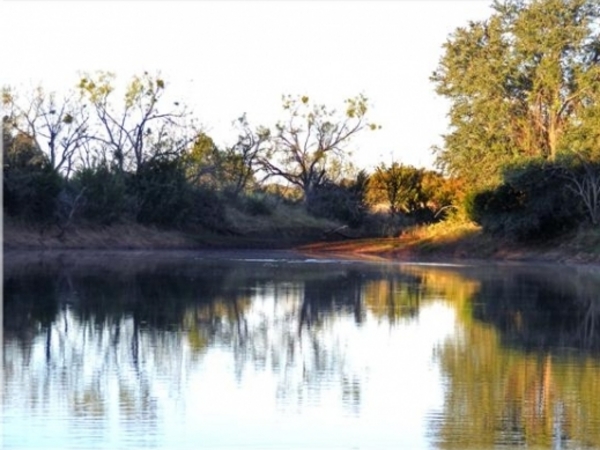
(277, 351)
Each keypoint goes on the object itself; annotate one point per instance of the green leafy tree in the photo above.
(202, 161)
(401, 187)
(518, 83)
(344, 201)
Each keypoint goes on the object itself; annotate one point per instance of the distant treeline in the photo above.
(87, 158)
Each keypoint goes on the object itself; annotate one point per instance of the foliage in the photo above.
(59, 127)
(31, 185)
(520, 84)
(238, 162)
(533, 202)
(206, 209)
(141, 127)
(583, 180)
(202, 160)
(256, 204)
(161, 192)
(345, 202)
(417, 193)
(104, 193)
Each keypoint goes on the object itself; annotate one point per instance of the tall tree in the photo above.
(517, 82)
(313, 140)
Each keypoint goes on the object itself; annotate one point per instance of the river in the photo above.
(277, 350)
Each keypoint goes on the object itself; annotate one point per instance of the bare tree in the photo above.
(138, 130)
(312, 141)
(239, 161)
(58, 126)
(584, 181)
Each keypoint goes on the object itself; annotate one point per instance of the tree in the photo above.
(140, 129)
(344, 201)
(312, 141)
(202, 161)
(583, 179)
(517, 82)
(59, 127)
(238, 162)
(400, 186)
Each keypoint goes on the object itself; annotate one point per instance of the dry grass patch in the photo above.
(118, 236)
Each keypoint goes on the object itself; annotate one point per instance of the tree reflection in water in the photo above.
(128, 330)
(522, 368)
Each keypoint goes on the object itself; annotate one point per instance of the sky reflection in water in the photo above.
(181, 352)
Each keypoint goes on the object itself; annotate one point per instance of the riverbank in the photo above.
(19, 236)
(433, 243)
(462, 241)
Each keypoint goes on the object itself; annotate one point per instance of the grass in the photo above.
(461, 239)
(286, 226)
(446, 239)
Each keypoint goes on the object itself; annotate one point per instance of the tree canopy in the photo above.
(524, 83)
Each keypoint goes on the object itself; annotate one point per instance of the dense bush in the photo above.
(206, 209)
(103, 192)
(257, 204)
(162, 194)
(31, 186)
(534, 201)
(345, 202)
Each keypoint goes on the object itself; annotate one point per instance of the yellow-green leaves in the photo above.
(97, 87)
(356, 107)
(7, 96)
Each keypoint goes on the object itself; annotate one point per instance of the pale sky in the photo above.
(225, 58)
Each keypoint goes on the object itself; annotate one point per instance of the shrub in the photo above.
(104, 194)
(32, 193)
(206, 209)
(533, 202)
(31, 185)
(345, 203)
(162, 195)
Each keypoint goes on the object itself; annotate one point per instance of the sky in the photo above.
(224, 58)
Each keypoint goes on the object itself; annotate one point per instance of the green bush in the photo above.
(207, 209)
(104, 194)
(343, 202)
(32, 193)
(161, 193)
(533, 202)
(31, 185)
(257, 205)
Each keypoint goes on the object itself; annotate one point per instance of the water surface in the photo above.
(276, 350)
